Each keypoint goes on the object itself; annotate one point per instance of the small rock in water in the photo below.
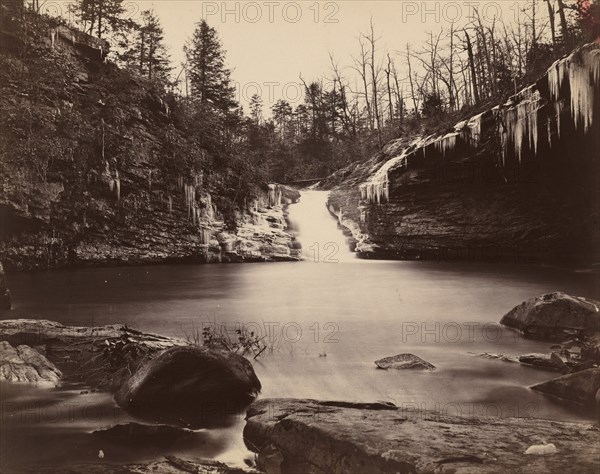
(404, 361)
(541, 449)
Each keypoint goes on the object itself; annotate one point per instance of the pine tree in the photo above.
(146, 53)
(100, 17)
(256, 105)
(209, 78)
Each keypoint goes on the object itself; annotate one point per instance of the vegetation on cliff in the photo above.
(107, 163)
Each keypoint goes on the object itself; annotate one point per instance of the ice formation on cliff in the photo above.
(520, 122)
(582, 72)
(447, 142)
(573, 82)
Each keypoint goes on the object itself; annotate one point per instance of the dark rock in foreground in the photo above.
(319, 437)
(579, 388)
(404, 361)
(547, 317)
(189, 379)
(22, 364)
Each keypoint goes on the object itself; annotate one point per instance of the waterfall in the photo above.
(317, 230)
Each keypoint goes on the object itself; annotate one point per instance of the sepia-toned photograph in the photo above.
(300, 237)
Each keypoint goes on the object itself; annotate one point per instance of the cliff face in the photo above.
(518, 182)
(95, 168)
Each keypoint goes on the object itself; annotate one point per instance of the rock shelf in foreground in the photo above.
(333, 437)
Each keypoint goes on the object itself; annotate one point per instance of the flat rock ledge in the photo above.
(22, 364)
(309, 436)
(170, 465)
(101, 357)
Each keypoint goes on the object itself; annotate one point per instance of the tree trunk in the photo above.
(472, 67)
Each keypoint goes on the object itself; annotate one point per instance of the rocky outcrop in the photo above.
(180, 383)
(403, 362)
(516, 182)
(5, 303)
(542, 361)
(166, 378)
(22, 364)
(100, 357)
(320, 437)
(550, 316)
(111, 175)
(580, 388)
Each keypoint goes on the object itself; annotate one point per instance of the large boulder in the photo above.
(579, 388)
(404, 361)
(312, 436)
(547, 317)
(22, 364)
(190, 383)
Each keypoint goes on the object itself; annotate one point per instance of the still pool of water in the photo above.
(328, 318)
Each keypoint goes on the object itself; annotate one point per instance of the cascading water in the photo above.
(322, 241)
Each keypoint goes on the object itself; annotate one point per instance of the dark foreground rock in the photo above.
(580, 388)
(320, 437)
(404, 361)
(189, 379)
(547, 317)
(22, 364)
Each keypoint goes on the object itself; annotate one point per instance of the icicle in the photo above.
(118, 185)
(520, 123)
(447, 142)
(584, 78)
(582, 70)
(558, 107)
(53, 38)
(170, 201)
(474, 128)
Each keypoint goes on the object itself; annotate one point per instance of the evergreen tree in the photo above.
(101, 17)
(146, 53)
(209, 78)
(256, 105)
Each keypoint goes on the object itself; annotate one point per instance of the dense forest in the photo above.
(354, 109)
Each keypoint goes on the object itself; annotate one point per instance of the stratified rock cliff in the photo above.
(97, 168)
(518, 182)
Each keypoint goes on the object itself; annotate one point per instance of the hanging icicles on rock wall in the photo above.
(565, 98)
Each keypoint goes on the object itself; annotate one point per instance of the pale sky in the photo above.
(269, 43)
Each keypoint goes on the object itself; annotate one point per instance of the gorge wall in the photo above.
(518, 182)
(94, 170)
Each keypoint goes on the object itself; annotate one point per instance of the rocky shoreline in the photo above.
(167, 383)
